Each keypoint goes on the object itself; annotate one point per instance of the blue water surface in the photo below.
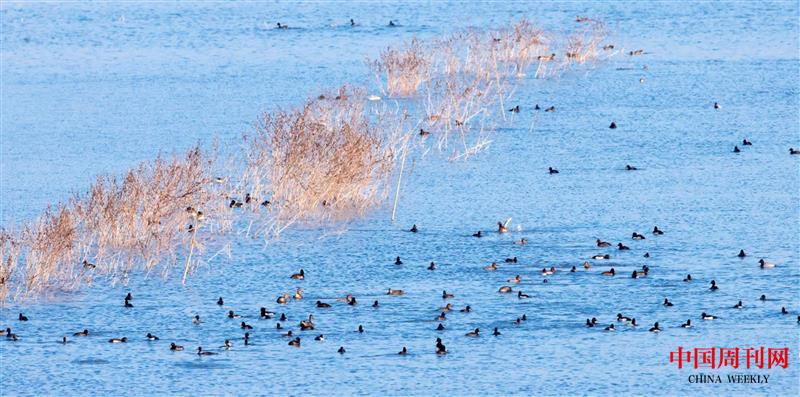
(91, 88)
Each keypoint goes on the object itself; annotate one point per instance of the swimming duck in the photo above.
(265, 314)
(201, 352)
(636, 52)
(610, 328)
(515, 279)
(688, 278)
(227, 345)
(118, 340)
(299, 276)
(396, 292)
(85, 332)
(586, 265)
(713, 286)
(573, 270)
(175, 348)
(352, 301)
(283, 317)
(474, 334)
(298, 294)
(705, 316)
(622, 318)
(762, 298)
(278, 326)
(598, 257)
(246, 338)
(375, 304)
(504, 289)
(687, 324)
(445, 295)
(423, 132)
(522, 295)
(622, 247)
(282, 26)
(551, 109)
(537, 107)
(321, 304)
(545, 272)
(589, 323)
(794, 151)
(609, 273)
(736, 149)
(360, 329)
(646, 255)
(657, 231)
(397, 261)
(613, 125)
(446, 308)
(392, 24)
(667, 303)
(633, 322)
(745, 142)
(717, 105)
(440, 327)
(244, 325)
(22, 317)
(637, 236)
(295, 342)
(602, 244)
(288, 334)
(306, 325)
(231, 314)
(764, 264)
(341, 350)
(501, 228)
(196, 319)
(630, 168)
(282, 299)
(235, 204)
(352, 22)
(467, 309)
(319, 338)
(645, 270)
(151, 337)
(477, 234)
(414, 228)
(546, 57)
(88, 265)
(552, 170)
(128, 304)
(441, 317)
(220, 301)
(515, 109)
(518, 321)
(739, 305)
(511, 260)
(635, 274)
(655, 328)
(403, 352)
(608, 47)
(522, 241)
(784, 311)
(432, 266)
(440, 347)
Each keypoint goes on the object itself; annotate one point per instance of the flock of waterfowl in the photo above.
(308, 324)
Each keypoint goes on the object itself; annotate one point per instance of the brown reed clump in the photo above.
(119, 225)
(10, 249)
(404, 69)
(325, 161)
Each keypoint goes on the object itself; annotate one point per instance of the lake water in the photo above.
(90, 89)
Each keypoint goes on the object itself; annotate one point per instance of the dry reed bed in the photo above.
(326, 161)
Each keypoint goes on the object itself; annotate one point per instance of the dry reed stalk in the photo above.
(404, 68)
(324, 162)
